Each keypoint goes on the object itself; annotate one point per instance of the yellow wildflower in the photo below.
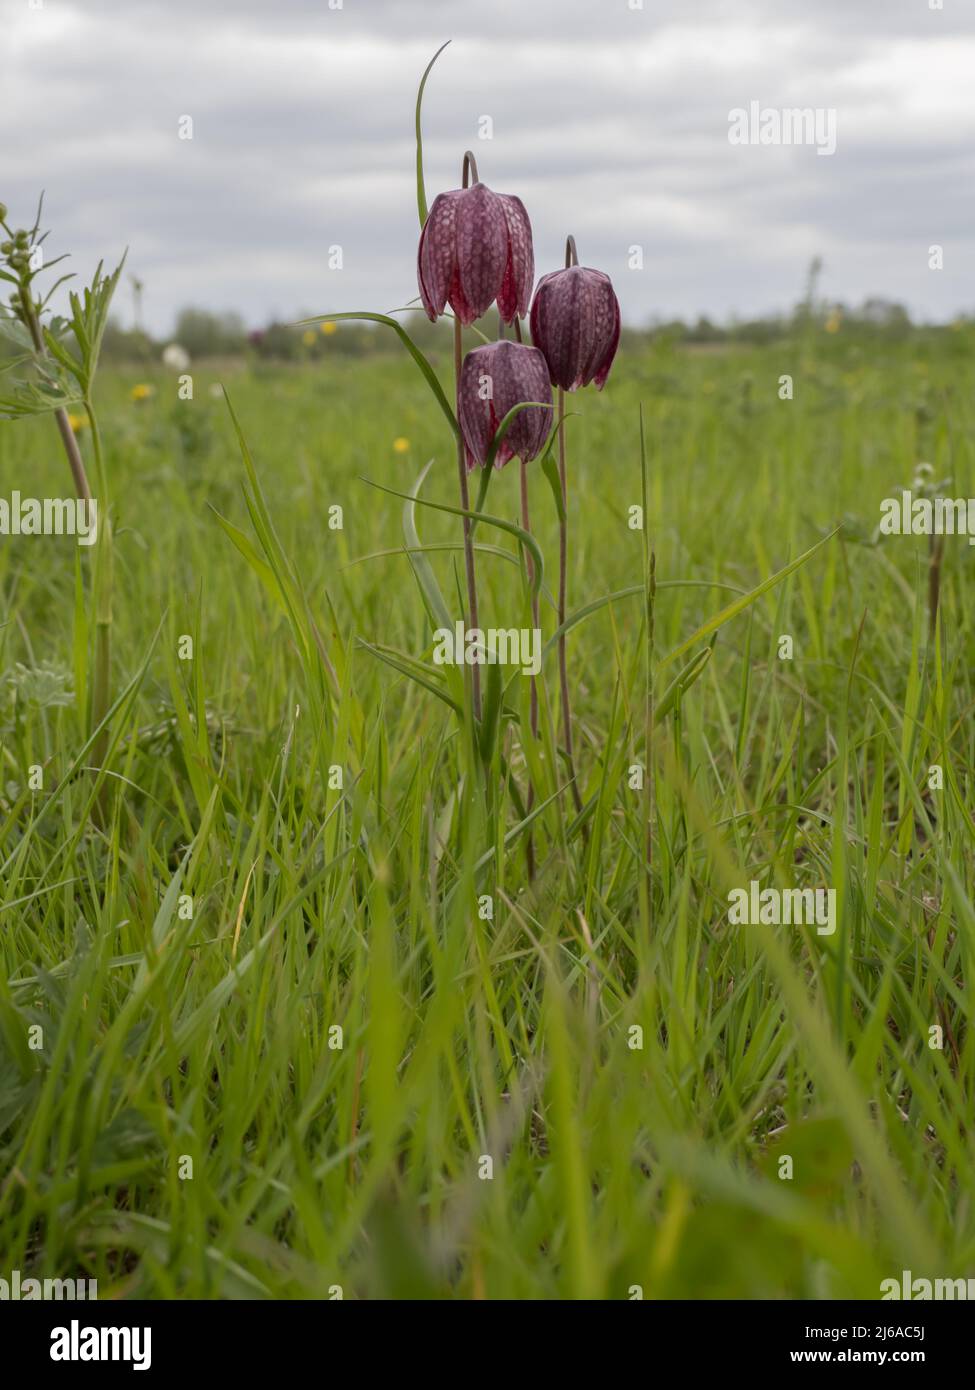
(142, 392)
(400, 445)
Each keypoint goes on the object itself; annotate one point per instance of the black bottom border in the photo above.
(257, 1337)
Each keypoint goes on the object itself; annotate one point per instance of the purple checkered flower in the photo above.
(575, 322)
(475, 248)
(493, 379)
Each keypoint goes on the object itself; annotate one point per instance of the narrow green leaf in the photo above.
(430, 589)
(429, 374)
(421, 195)
(551, 471)
(740, 604)
(406, 668)
(682, 682)
(506, 424)
(523, 536)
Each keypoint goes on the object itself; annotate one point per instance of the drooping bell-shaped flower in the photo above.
(575, 321)
(493, 379)
(475, 248)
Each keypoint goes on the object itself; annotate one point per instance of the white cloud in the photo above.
(608, 121)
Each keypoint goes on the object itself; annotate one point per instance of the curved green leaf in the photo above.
(740, 604)
(421, 195)
(682, 682)
(524, 537)
(506, 424)
(429, 374)
(406, 668)
(550, 469)
(630, 592)
(435, 603)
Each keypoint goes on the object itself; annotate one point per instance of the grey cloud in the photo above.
(609, 122)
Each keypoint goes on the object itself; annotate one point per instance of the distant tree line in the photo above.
(204, 334)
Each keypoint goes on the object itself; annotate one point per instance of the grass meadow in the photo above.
(284, 1013)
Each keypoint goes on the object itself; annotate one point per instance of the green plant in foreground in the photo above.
(475, 248)
(60, 358)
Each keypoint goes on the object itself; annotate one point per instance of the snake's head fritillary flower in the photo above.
(575, 321)
(494, 379)
(475, 248)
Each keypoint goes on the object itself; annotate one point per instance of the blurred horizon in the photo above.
(610, 121)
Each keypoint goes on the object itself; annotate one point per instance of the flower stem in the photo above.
(102, 578)
(526, 524)
(563, 564)
(650, 596)
(71, 449)
(571, 258)
(468, 174)
(104, 571)
(465, 505)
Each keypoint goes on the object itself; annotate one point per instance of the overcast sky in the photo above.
(609, 120)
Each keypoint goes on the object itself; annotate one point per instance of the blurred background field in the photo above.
(167, 1037)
